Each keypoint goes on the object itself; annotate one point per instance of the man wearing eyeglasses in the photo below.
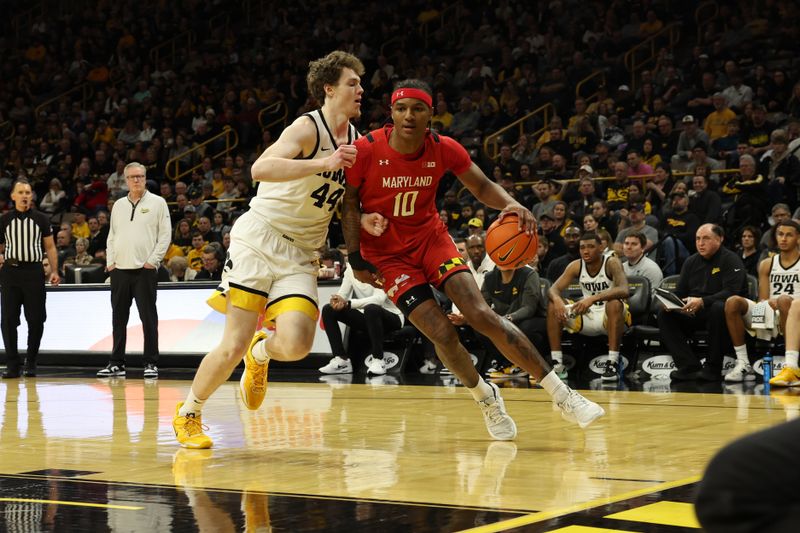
(139, 236)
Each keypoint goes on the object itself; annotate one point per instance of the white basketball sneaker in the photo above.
(337, 365)
(578, 410)
(498, 423)
(741, 371)
(375, 366)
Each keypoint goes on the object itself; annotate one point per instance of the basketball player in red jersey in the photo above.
(405, 248)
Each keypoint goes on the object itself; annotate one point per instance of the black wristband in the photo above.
(359, 263)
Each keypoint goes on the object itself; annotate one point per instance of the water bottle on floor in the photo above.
(766, 367)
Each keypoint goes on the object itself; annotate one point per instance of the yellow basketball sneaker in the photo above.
(787, 377)
(253, 384)
(189, 430)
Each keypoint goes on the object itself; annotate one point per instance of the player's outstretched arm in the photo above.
(493, 195)
(279, 162)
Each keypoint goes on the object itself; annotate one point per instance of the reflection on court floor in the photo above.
(86, 454)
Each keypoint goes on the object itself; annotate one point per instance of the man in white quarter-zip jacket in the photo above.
(138, 238)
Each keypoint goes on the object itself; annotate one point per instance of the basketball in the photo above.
(509, 247)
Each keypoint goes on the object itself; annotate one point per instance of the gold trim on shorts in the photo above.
(240, 297)
(291, 302)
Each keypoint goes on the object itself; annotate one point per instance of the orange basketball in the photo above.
(509, 247)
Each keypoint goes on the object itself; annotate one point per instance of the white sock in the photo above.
(260, 352)
(741, 354)
(791, 358)
(557, 356)
(613, 355)
(193, 405)
(481, 391)
(556, 388)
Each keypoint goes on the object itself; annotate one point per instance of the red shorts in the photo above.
(433, 261)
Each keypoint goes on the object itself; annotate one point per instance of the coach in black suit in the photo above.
(707, 279)
(25, 236)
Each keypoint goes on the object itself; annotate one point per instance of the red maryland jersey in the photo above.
(402, 188)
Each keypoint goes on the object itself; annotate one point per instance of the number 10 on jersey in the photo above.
(404, 203)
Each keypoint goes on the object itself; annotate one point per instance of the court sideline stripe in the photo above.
(547, 515)
(269, 493)
(75, 504)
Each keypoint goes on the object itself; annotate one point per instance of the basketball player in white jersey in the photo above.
(272, 265)
(601, 311)
(778, 286)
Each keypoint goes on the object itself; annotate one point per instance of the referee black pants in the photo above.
(750, 485)
(126, 286)
(22, 287)
(375, 321)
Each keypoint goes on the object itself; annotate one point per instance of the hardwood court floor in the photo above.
(101, 456)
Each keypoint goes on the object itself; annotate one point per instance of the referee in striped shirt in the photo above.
(25, 236)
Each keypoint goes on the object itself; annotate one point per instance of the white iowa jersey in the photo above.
(301, 209)
(784, 280)
(591, 285)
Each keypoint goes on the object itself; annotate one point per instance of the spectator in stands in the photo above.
(677, 229)
(81, 257)
(117, 186)
(617, 190)
(97, 236)
(637, 263)
(64, 248)
(364, 309)
(555, 267)
(639, 135)
(213, 260)
(781, 169)
(666, 138)
(179, 269)
(558, 143)
(747, 191)
(79, 227)
(748, 248)
(757, 131)
(633, 220)
(635, 165)
(707, 279)
(649, 156)
(690, 136)
(700, 162)
(702, 101)
(515, 294)
(725, 148)
(656, 189)
(586, 190)
(465, 120)
(716, 123)
(545, 196)
(209, 235)
(54, 200)
(737, 94)
(705, 203)
(195, 255)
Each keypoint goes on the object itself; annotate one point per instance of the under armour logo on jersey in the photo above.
(383, 162)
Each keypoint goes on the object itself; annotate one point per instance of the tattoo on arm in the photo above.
(619, 290)
(351, 218)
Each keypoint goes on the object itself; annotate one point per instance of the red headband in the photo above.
(406, 92)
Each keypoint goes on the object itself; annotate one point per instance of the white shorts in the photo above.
(265, 272)
(593, 323)
(762, 333)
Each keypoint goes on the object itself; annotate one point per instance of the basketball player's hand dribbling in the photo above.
(526, 221)
(343, 157)
(374, 223)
